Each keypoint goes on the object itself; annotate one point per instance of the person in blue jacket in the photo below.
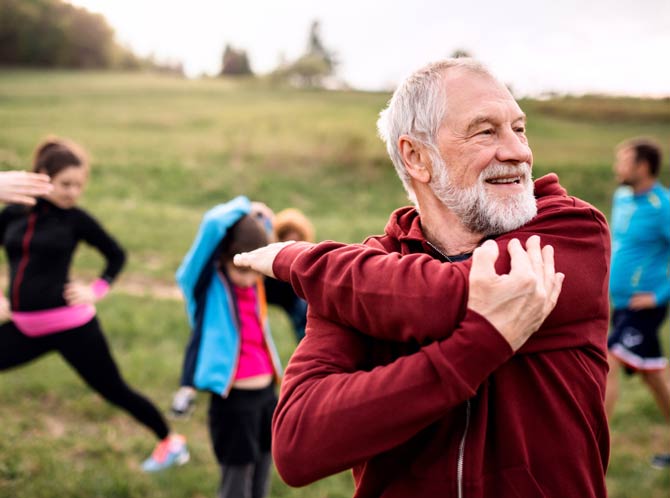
(640, 274)
(231, 353)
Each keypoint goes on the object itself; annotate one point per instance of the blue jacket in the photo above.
(213, 350)
(640, 245)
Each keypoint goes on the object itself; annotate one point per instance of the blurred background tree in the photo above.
(312, 69)
(460, 52)
(235, 62)
(52, 33)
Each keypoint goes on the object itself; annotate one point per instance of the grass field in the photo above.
(164, 150)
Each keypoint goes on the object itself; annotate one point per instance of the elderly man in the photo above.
(420, 369)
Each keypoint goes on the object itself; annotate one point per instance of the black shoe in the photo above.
(661, 461)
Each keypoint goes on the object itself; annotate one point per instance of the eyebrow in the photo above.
(479, 120)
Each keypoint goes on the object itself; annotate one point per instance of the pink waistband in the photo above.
(43, 322)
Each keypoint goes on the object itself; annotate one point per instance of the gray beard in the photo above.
(480, 213)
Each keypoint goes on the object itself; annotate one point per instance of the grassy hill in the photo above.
(166, 149)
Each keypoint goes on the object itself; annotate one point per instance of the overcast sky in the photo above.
(574, 46)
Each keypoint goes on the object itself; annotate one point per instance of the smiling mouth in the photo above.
(511, 180)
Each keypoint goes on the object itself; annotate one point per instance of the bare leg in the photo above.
(656, 382)
(612, 388)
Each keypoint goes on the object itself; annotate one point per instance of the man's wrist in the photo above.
(281, 266)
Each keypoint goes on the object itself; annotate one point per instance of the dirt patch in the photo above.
(133, 285)
(142, 286)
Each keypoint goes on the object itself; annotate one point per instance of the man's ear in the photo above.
(416, 159)
(643, 164)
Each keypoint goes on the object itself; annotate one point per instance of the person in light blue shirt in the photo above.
(639, 274)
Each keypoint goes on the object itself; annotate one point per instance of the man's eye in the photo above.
(520, 129)
(487, 131)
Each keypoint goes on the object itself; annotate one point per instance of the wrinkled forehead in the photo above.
(474, 96)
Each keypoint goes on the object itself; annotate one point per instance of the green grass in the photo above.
(164, 150)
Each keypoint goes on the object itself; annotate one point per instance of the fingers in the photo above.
(21, 186)
(26, 200)
(538, 263)
(76, 293)
(262, 259)
(535, 255)
(483, 261)
(556, 289)
(520, 262)
(548, 265)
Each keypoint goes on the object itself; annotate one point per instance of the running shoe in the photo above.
(183, 403)
(169, 452)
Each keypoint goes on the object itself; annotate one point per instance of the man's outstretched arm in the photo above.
(416, 297)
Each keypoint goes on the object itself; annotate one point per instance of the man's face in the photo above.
(483, 173)
(626, 170)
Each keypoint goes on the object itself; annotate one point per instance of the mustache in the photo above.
(498, 170)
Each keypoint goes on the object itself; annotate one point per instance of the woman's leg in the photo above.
(236, 481)
(86, 350)
(261, 480)
(17, 349)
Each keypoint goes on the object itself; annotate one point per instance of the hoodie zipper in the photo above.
(461, 451)
(25, 257)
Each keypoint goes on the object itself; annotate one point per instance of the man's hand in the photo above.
(516, 304)
(21, 187)
(77, 293)
(642, 301)
(262, 258)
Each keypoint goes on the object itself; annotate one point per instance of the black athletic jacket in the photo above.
(40, 242)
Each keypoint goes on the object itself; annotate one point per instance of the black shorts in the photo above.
(634, 338)
(240, 425)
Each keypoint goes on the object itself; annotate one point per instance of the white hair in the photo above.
(417, 109)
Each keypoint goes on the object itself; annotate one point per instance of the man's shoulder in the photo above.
(567, 214)
(551, 197)
(386, 243)
(659, 197)
(402, 232)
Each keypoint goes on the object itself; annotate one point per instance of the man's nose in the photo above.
(513, 148)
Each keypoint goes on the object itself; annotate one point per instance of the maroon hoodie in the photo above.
(424, 398)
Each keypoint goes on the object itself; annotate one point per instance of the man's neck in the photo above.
(644, 184)
(444, 230)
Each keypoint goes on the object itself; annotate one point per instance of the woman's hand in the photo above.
(76, 293)
(5, 310)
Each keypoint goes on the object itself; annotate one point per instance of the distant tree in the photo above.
(459, 53)
(235, 62)
(54, 33)
(313, 67)
(316, 48)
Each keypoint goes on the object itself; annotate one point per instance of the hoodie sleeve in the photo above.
(387, 295)
(214, 225)
(327, 386)
(401, 297)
